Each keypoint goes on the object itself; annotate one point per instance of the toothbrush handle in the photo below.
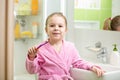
(41, 45)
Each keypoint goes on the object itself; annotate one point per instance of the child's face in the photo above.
(118, 28)
(56, 27)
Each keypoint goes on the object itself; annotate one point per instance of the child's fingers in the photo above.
(98, 71)
(29, 52)
(32, 51)
(35, 49)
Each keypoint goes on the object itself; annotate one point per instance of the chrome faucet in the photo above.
(103, 55)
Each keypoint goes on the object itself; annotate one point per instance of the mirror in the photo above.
(92, 14)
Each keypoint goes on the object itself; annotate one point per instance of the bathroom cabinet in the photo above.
(27, 19)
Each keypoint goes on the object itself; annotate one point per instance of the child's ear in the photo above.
(46, 29)
(66, 30)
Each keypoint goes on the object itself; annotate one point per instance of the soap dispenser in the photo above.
(114, 56)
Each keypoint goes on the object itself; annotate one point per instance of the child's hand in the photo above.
(98, 71)
(32, 53)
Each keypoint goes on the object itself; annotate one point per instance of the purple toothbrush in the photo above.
(42, 45)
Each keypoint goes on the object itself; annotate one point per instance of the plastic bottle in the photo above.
(34, 29)
(34, 7)
(16, 3)
(115, 57)
(17, 30)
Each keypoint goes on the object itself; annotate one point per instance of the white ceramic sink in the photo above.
(112, 73)
(25, 77)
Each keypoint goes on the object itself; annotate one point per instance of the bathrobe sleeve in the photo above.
(77, 62)
(34, 66)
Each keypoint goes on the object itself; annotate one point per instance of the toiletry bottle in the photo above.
(16, 3)
(34, 7)
(17, 30)
(115, 57)
(34, 29)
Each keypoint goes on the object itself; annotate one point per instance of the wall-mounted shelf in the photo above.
(27, 19)
(26, 7)
(25, 13)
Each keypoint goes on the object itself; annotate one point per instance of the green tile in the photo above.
(98, 15)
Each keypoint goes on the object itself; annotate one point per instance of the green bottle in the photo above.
(114, 56)
(115, 48)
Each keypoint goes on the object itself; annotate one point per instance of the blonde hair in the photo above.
(58, 14)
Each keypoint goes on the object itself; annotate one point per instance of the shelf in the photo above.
(25, 13)
(26, 7)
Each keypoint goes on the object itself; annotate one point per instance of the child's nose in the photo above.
(56, 27)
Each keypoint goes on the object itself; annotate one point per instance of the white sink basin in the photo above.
(25, 77)
(112, 73)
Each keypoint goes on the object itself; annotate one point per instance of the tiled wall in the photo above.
(115, 7)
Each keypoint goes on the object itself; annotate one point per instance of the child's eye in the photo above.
(60, 26)
(52, 25)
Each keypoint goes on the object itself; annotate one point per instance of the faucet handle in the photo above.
(98, 44)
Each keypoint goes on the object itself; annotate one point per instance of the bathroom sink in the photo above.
(109, 68)
(25, 77)
(112, 73)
